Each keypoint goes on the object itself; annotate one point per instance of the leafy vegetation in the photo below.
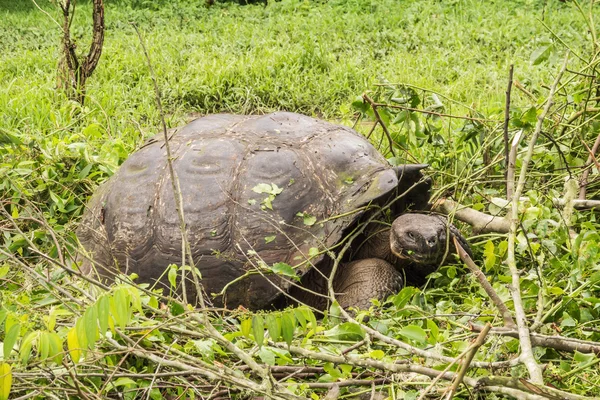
(435, 72)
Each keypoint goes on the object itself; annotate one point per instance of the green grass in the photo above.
(298, 56)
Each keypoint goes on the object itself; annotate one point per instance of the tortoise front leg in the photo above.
(357, 282)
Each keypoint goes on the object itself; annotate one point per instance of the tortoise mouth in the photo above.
(414, 256)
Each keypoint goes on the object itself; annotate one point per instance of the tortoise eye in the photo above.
(410, 235)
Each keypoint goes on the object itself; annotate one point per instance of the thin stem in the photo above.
(527, 356)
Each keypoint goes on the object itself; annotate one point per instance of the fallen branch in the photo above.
(481, 222)
(486, 223)
(509, 386)
(553, 342)
(347, 382)
(206, 371)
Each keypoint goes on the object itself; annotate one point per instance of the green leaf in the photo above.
(269, 239)
(287, 328)
(103, 313)
(332, 371)
(246, 327)
(360, 105)
(172, 275)
(300, 317)
(258, 329)
(9, 138)
(57, 200)
(55, 352)
(153, 302)
(346, 370)
(90, 318)
(309, 220)
(267, 202)
(43, 346)
(434, 330)
(266, 356)
(541, 54)
(313, 252)
(73, 345)
(310, 317)
(5, 381)
(92, 131)
(567, 321)
(205, 347)
(556, 291)
(80, 333)
(377, 354)
(126, 382)
(26, 345)
(262, 188)
(122, 311)
(135, 298)
(273, 326)
(176, 308)
(402, 298)
(85, 171)
(10, 339)
(283, 356)
(414, 332)
(346, 331)
(284, 269)
(275, 190)
(583, 357)
(450, 272)
(489, 256)
(530, 116)
(335, 311)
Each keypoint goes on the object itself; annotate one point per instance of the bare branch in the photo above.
(385, 129)
(527, 355)
(505, 130)
(481, 222)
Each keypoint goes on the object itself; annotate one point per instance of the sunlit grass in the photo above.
(300, 56)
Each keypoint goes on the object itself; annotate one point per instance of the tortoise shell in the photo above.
(256, 191)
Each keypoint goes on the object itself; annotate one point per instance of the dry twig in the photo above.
(383, 126)
(527, 356)
(505, 130)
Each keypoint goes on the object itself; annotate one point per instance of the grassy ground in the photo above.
(300, 56)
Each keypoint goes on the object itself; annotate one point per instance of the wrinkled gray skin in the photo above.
(226, 164)
(412, 248)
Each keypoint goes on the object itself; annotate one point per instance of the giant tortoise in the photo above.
(260, 194)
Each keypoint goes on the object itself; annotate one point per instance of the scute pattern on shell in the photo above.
(323, 169)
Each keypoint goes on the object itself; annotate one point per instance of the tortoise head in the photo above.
(419, 238)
